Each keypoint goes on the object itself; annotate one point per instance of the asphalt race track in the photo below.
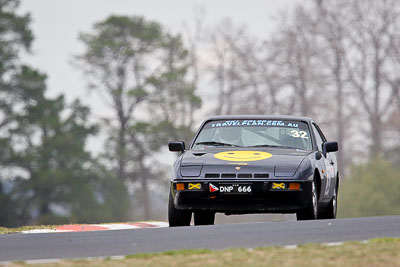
(124, 242)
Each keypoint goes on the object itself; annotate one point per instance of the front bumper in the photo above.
(263, 198)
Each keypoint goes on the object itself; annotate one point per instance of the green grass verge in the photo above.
(376, 252)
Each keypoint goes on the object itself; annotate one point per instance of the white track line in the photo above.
(122, 257)
(329, 244)
(39, 231)
(290, 247)
(332, 244)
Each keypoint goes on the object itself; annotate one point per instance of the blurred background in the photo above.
(92, 91)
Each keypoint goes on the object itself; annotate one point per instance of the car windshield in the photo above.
(254, 133)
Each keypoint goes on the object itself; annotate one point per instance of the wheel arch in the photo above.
(337, 182)
(317, 178)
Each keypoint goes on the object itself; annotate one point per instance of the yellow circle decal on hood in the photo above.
(242, 155)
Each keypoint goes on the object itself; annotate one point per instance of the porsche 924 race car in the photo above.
(254, 164)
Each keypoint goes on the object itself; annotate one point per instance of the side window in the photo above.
(318, 137)
(320, 132)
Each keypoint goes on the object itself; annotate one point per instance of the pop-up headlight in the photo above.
(191, 171)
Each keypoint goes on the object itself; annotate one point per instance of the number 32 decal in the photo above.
(297, 134)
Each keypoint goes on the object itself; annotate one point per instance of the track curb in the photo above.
(97, 227)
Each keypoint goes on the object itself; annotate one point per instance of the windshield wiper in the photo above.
(213, 143)
(275, 146)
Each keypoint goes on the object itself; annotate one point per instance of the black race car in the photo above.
(254, 164)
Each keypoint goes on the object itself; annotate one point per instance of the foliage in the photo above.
(15, 34)
(140, 70)
(371, 189)
(337, 61)
(47, 175)
(57, 181)
(15, 37)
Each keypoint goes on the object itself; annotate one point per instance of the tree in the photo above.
(172, 92)
(15, 37)
(337, 61)
(193, 42)
(47, 175)
(57, 182)
(115, 60)
(234, 69)
(139, 68)
(374, 37)
(295, 50)
(332, 35)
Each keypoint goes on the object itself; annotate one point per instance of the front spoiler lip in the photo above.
(263, 200)
(234, 180)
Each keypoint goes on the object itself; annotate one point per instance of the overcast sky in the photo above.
(56, 24)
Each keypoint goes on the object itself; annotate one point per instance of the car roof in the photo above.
(259, 117)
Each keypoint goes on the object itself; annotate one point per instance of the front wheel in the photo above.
(331, 210)
(311, 211)
(177, 217)
(204, 218)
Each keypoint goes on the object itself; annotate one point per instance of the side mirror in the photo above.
(176, 146)
(330, 147)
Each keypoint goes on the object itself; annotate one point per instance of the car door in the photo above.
(323, 163)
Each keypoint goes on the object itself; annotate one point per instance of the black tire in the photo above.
(311, 211)
(177, 217)
(331, 210)
(204, 218)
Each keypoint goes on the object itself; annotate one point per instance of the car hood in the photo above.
(276, 162)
